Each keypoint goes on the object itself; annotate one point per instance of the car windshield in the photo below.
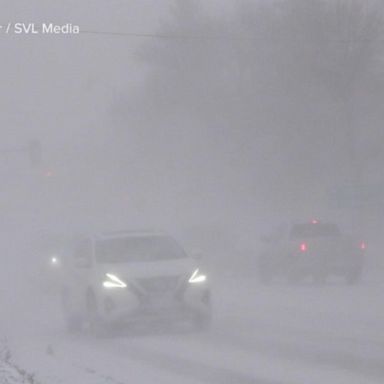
(314, 230)
(138, 249)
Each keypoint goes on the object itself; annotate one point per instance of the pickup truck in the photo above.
(313, 249)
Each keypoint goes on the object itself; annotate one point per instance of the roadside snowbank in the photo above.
(11, 373)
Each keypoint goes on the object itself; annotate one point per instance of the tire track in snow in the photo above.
(192, 369)
(367, 367)
(95, 373)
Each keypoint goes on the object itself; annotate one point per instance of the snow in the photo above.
(280, 334)
(8, 375)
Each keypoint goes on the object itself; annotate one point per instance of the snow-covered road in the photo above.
(269, 335)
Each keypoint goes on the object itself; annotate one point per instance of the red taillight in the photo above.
(49, 173)
(363, 245)
(303, 247)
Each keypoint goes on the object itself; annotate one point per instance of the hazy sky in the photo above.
(68, 76)
(73, 77)
(60, 89)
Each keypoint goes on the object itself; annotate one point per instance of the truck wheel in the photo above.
(266, 278)
(202, 322)
(294, 276)
(353, 277)
(265, 274)
(320, 278)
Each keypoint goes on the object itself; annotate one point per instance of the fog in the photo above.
(232, 127)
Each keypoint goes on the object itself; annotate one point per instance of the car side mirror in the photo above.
(197, 254)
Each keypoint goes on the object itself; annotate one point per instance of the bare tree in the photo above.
(278, 89)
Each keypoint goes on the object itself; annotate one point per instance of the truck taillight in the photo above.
(303, 247)
(363, 245)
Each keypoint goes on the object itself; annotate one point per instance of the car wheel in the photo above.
(73, 321)
(202, 322)
(93, 318)
(74, 324)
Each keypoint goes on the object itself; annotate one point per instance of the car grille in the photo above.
(156, 285)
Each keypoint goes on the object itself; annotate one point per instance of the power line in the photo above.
(164, 36)
(216, 37)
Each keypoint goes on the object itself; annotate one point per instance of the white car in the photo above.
(125, 277)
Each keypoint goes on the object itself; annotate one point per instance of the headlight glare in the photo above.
(54, 261)
(197, 277)
(113, 282)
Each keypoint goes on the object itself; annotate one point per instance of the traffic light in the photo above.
(35, 153)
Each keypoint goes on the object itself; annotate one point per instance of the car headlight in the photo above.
(113, 281)
(197, 277)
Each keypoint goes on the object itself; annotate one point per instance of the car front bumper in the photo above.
(125, 306)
